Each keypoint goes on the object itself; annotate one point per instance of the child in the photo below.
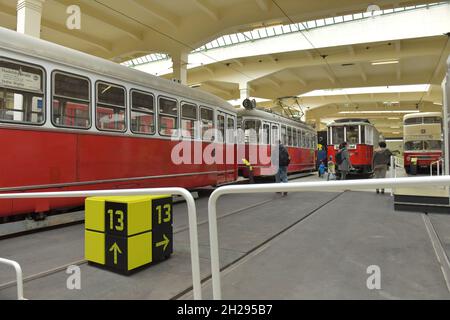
(321, 169)
(331, 169)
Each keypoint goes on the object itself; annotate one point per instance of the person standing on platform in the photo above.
(283, 162)
(343, 160)
(331, 169)
(381, 161)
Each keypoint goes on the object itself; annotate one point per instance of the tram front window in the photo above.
(352, 134)
(432, 145)
(413, 145)
(338, 135)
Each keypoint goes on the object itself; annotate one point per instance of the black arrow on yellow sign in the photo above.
(164, 243)
(116, 250)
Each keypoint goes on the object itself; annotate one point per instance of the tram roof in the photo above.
(17, 42)
(272, 117)
(422, 114)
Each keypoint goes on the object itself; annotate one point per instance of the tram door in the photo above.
(231, 149)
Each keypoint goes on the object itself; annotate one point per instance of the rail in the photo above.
(19, 277)
(192, 214)
(298, 187)
(437, 167)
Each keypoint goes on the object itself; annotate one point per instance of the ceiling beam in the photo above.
(274, 82)
(329, 76)
(238, 62)
(264, 5)
(216, 88)
(351, 50)
(94, 13)
(297, 77)
(171, 19)
(399, 71)
(61, 29)
(209, 69)
(209, 9)
(362, 72)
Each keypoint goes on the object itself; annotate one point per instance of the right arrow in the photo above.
(165, 242)
(116, 250)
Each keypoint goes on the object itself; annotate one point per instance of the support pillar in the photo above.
(29, 14)
(244, 91)
(179, 65)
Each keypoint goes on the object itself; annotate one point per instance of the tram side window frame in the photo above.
(203, 125)
(196, 121)
(111, 106)
(230, 131)
(265, 133)
(283, 132)
(175, 116)
(53, 95)
(294, 137)
(142, 112)
(41, 94)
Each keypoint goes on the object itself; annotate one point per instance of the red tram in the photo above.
(361, 137)
(71, 121)
(261, 130)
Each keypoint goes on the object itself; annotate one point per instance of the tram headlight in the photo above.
(408, 158)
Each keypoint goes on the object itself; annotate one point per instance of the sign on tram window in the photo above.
(21, 93)
(20, 79)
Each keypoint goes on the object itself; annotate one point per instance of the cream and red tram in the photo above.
(422, 140)
(261, 130)
(361, 137)
(72, 121)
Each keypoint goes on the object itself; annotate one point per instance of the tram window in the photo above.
(188, 120)
(301, 137)
(294, 139)
(230, 130)
(413, 145)
(265, 139)
(369, 135)
(110, 107)
(207, 123)
(168, 116)
(409, 121)
(338, 135)
(429, 120)
(352, 134)
(21, 93)
(432, 145)
(283, 135)
(289, 136)
(251, 131)
(220, 127)
(71, 101)
(142, 112)
(275, 134)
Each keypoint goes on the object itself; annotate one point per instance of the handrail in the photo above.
(192, 214)
(19, 277)
(297, 187)
(437, 162)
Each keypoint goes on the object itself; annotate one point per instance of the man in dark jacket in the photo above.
(381, 161)
(283, 162)
(345, 165)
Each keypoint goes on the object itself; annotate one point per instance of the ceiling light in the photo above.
(395, 132)
(437, 103)
(375, 63)
(379, 111)
(395, 127)
(393, 118)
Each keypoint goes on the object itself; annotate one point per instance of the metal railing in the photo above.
(298, 187)
(192, 214)
(19, 277)
(437, 163)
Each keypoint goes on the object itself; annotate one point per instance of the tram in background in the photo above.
(422, 138)
(361, 137)
(72, 121)
(261, 130)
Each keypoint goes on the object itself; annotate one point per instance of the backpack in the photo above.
(339, 157)
(284, 157)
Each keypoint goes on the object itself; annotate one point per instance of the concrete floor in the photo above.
(269, 253)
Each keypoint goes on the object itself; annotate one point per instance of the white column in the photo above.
(179, 65)
(29, 17)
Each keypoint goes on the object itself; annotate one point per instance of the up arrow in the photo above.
(116, 250)
(164, 243)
